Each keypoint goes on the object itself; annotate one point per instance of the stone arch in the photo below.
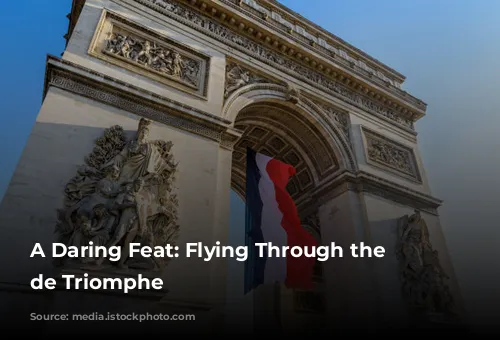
(271, 115)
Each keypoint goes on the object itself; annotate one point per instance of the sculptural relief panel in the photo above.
(123, 193)
(390, 155)
(423, 279)
(238, 76)
(128, 45)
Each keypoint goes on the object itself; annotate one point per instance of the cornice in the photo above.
(309, 53)
(82, 81)
(286, 12)
(322, 42)
(225, 33)
(364, 182)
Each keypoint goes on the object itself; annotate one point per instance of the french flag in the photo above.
(271, 216)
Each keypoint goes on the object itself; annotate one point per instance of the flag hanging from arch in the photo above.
(271, 216)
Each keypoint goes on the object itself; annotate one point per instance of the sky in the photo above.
(447, 49)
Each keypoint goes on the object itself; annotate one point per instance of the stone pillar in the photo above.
(348, 281)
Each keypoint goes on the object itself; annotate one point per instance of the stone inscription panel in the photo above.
(137, 49)
(390, 155)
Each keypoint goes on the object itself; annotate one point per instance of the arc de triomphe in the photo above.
(212, 78)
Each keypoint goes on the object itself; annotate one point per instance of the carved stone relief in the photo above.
(238, 76)
(292, 94)
(148, 54)
(339, 118)
(212, 28)
(391, 155)
(422, 277)
(123, 193)
(128, 45)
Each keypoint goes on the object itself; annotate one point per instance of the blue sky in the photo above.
(449, 51)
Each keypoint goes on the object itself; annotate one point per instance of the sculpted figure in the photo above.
(121, 45)
(123, 194)
(177, 64)
(191, 72)
(292, 94)
(140, 158)
(236, 77)
(128, 225)
(106, 189)
(423, 278)
(102, 225)
(162, 61)
(145, 55)
(82, 184)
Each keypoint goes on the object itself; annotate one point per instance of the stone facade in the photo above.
(214, 77)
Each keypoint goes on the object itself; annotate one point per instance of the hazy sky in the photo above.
(449, 50)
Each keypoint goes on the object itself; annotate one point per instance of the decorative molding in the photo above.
(364, 182)
(361, 182)
(339, 117)
(90, 84)
(140, 50)
(342, 87)
(403, 195)
(238, 76)
(390, 155)
(283, 20)
(344, 57)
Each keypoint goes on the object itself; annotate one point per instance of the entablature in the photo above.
(281, 19)
(234, 29)
(223, 23)
(278, 22)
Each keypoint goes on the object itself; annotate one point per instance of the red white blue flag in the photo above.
(271, 216)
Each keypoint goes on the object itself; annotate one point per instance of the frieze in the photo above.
(147, 54)
(128, 45)
(212, 28)
(381, 151)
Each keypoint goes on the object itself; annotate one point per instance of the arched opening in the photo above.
(287, 132)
